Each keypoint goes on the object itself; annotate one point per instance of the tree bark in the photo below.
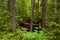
(44, 12)
(2, 7)
(13, 15)
(8, 6)
(38, 14)
(55, 6)
(32, 16)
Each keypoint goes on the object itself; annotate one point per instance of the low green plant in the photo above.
(22, 35)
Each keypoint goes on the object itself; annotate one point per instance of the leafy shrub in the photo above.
(53, 31)
(22, 35)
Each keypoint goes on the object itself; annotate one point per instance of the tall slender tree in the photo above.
(8, 4)
(38, 9)
(32, 16)
(38, 16)
(44, 11)
(13, 15)
(55, 6)
(2, 7)
(2, 12)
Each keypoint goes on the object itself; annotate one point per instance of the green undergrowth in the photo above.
(22, 35)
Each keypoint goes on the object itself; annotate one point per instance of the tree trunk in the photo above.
(13, 15)
(38, 14)
(2, 7)
(44, 11)
(55, 6)
(9, 3)
(32, 16)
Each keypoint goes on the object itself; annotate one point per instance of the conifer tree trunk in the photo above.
(55, 6)
(13, 15)
(8, 4)
(44, 12)
(32, 16)
(2, 7)
(38, 14)
(2, 12)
